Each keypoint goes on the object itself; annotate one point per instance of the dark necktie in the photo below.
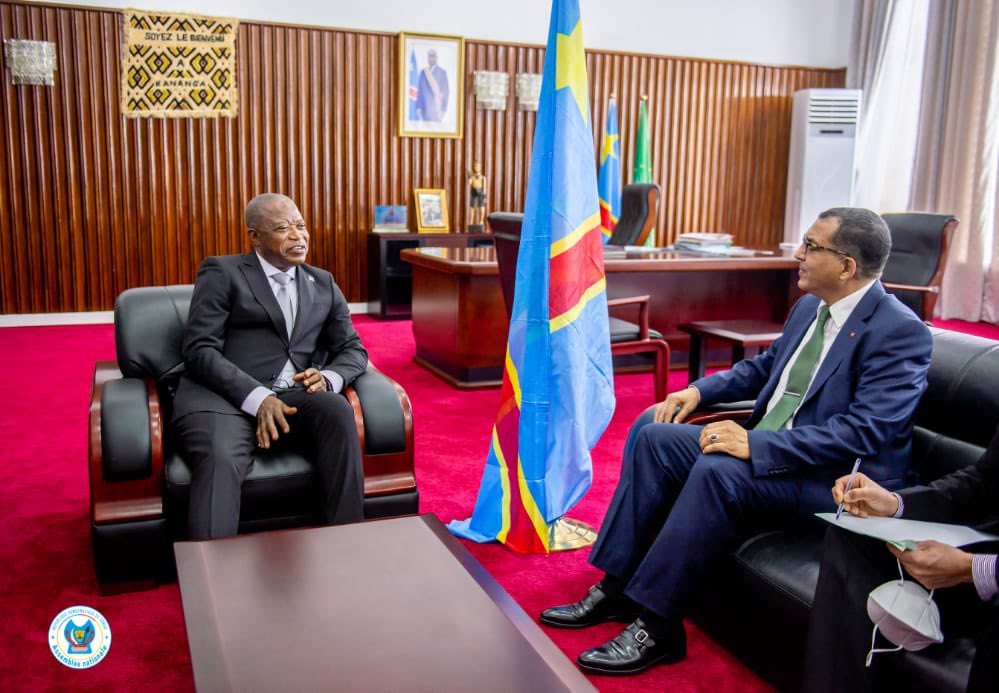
(798, 379)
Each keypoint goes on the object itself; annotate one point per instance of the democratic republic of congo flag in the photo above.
(414, 81)
(609, 177)
(558, 392)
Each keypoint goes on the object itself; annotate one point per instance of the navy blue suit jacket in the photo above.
(861, 402)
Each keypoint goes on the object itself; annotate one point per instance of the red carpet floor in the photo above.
(44, 542)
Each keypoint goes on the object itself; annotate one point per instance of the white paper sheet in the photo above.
(905, 533)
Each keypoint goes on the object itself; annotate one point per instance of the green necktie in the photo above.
(798, 379)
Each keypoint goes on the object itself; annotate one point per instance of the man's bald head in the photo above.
(277, 230)
(260, 207)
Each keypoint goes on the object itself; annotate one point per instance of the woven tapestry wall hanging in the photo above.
(178, 65)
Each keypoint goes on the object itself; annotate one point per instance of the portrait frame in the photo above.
(430, 210)
(431, 98)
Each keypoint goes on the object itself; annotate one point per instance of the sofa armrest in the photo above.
(732, 411)
(912, 287)
(126, 466)
(384, 420)
(125, 446)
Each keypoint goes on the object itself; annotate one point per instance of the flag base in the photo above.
(567, 534)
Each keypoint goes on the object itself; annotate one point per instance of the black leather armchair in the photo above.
(139, 483)
(915, 269)
(626, 337)
(756, 603)
(639, 209)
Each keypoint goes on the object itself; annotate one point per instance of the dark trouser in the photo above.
(675, 510)
(839, 629)
(220, 447)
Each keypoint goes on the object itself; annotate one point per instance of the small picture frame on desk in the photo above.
(390, 218)
(430, 210)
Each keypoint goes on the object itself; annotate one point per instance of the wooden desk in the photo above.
(392, 605)
(390, 280)
(460, 323)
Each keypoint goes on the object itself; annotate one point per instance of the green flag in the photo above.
(642, 172)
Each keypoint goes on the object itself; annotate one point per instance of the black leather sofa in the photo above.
(139, 484)
(756, 603)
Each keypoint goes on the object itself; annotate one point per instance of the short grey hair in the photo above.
(255, 209)
(864, 236)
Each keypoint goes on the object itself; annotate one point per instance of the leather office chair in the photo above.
(626, 337)
(919, 246)
(139, 483)
(639, 209)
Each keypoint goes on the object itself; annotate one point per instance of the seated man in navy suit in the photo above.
(842, 382)
(268, 347)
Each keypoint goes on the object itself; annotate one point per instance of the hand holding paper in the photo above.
(936, 565)
(905, 534)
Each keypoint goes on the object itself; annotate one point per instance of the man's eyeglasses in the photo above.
(813, 247)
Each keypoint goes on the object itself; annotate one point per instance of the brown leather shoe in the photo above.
(635, 650)
(595, 607)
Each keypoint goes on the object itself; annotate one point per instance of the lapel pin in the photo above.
(853, 334)
(311, 278)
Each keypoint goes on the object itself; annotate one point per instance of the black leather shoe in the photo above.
(595, 607)
(635, 650)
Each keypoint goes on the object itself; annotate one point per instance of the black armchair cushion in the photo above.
(149, 332)
(624, 331)
(280, 483)
(918, 247)
(960, 400)
(634, 213)
(787, 561)
(916, 244)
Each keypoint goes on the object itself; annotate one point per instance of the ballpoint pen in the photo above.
(849, 485)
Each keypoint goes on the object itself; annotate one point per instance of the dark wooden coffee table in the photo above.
(390, 605)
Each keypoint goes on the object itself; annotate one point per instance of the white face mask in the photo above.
(905, 613)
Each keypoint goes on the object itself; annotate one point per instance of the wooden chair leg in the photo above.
(697, 358)
(661, 372)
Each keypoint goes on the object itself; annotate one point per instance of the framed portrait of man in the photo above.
(430, 210)
(431, 85)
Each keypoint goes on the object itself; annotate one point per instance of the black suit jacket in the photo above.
(236, 339)
(967, 496)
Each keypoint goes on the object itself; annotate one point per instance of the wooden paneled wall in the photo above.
(92, 203)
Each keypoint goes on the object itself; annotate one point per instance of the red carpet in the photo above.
(45, 545)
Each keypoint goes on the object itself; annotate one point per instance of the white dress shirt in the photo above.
(839, 312)
(334, 381)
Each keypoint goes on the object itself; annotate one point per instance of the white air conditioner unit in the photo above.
(820, 167)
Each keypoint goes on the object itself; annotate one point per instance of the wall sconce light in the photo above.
(30, 62)
(528, 91)
(491, 90)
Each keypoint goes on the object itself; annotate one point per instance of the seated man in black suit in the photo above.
(839, 630)
(268, 348)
